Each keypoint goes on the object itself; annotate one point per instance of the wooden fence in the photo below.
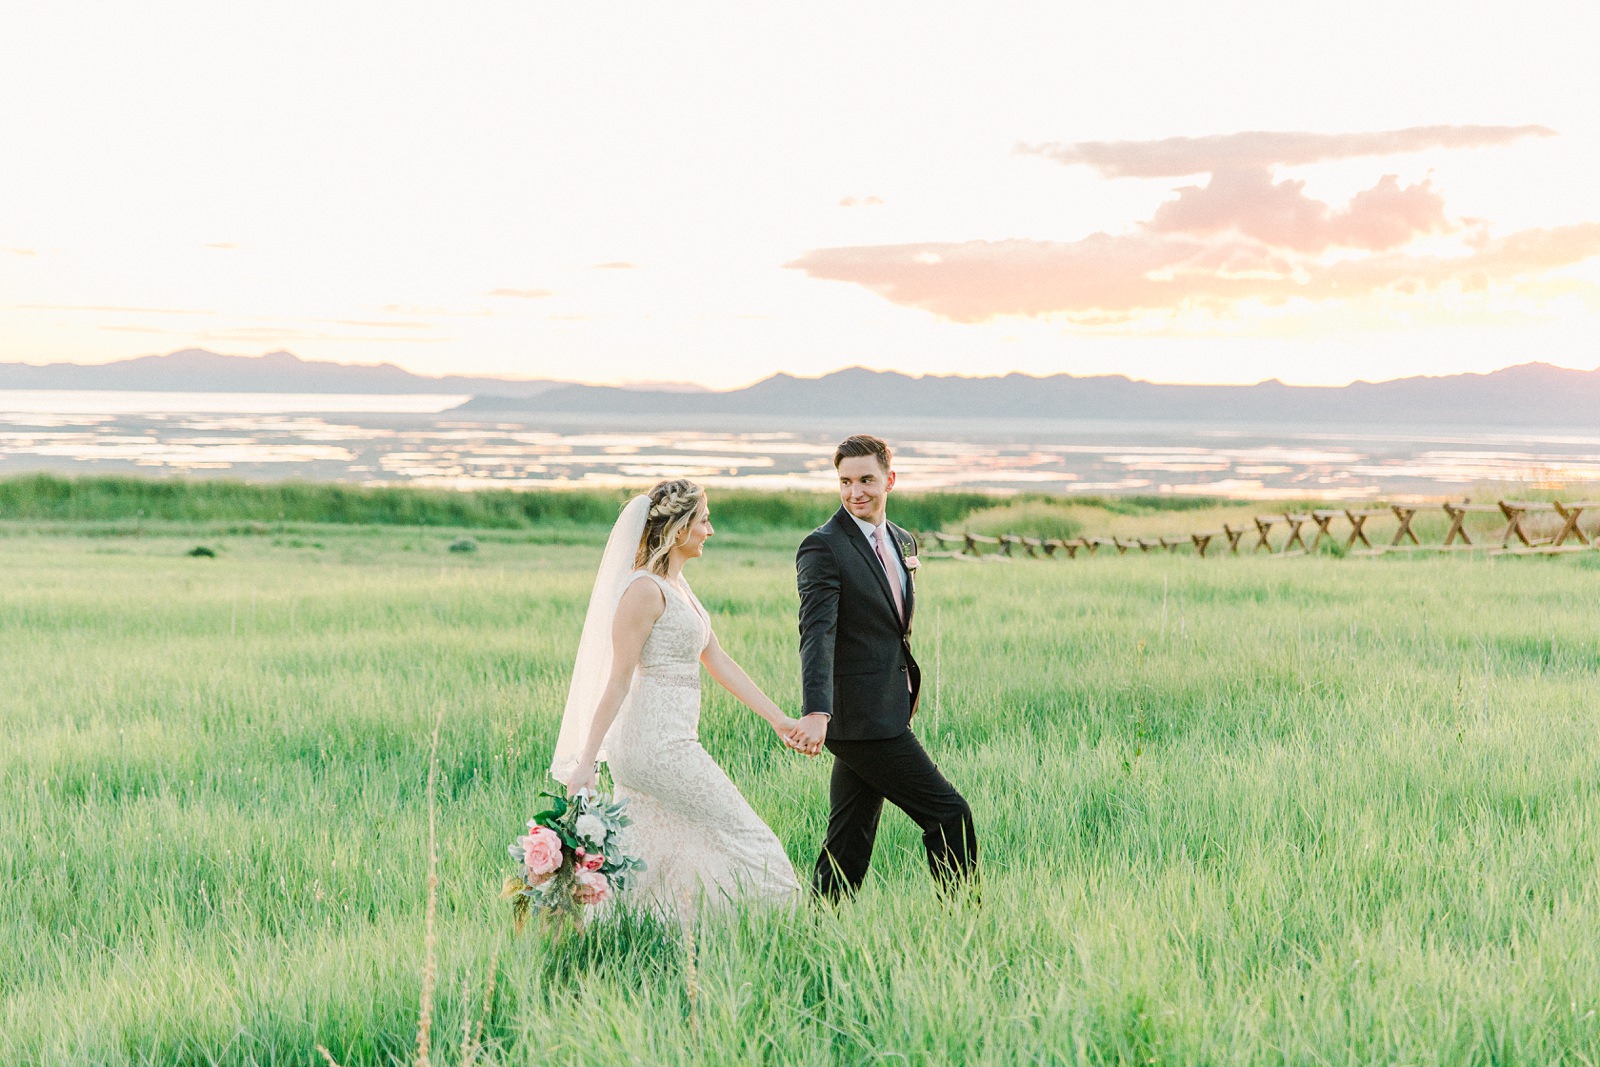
(1531, 527)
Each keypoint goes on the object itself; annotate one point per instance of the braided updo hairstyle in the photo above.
(674, 507)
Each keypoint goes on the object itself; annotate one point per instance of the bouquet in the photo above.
(569, 858)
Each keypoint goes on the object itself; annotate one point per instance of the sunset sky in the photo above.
(1219, 192)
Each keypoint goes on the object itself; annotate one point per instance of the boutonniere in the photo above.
(912, 563)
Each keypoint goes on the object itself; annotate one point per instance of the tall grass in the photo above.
(1231, 811)
(109, 499)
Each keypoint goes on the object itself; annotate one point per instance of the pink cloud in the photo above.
(1387, 215)
(1249, 202)
(1518, 256)
(1105, 275)
(1176, 157)
(977, 280)
(1241, 236)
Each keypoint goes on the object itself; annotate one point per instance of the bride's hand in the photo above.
(784, 726)
(808, 734)
(584, 780)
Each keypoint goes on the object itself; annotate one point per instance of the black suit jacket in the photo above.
(855, 652)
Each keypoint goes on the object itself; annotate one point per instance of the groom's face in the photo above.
(864, 487)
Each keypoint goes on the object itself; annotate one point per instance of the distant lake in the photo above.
(417, 439)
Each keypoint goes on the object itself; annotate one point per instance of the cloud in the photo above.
(871, 201)
(977, 280)
(1519, 256)
(1177, 157)
(1240, 237)
(1105, 276)
(522, 294)
(1247, 201)
(22, 251)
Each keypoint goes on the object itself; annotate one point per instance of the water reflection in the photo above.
(388, 442)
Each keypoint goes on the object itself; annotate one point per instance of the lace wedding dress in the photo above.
(699, 837)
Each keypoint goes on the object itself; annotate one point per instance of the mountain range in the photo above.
(194, 370)
(1530, 394)
(1535, 394)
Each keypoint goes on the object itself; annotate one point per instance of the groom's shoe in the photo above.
(829, 884)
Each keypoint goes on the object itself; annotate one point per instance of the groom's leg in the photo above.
(853, 810)
(900, 771)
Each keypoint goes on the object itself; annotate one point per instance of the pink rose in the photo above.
(590, 863)
(912, 563)
(592, 887)
(541, 851)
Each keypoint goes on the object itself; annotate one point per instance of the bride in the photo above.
(634, 703)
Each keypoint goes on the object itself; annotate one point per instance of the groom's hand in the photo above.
(808, 736)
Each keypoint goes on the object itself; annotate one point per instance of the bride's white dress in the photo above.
(700, 839)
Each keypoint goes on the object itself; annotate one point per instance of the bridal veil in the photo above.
(592, 668)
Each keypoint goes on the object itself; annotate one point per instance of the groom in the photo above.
(860, 682)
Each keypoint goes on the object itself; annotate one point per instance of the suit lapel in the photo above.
(853, 534)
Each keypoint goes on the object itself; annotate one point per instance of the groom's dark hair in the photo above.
(863, 445)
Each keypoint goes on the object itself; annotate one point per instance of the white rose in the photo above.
(592, 829)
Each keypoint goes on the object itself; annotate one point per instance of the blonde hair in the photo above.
(675, 505)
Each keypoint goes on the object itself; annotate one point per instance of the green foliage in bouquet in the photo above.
(570, 858)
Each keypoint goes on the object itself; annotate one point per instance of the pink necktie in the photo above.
(886, 557)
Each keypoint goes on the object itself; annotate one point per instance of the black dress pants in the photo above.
(865, 774)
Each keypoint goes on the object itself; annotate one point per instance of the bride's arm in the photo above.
(641, 605)
(732, 677)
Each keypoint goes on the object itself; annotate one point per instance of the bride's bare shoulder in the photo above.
(644, 596)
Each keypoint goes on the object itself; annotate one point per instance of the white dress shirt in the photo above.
(871, 533)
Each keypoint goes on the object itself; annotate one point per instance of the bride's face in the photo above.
(694, 540)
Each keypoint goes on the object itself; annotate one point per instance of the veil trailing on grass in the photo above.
(592, 668)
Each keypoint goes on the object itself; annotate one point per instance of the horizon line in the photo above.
(680, 385)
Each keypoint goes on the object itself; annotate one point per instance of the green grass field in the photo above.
(1307, 811)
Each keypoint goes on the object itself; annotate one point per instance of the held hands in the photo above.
(785, 728)
(808, 734)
